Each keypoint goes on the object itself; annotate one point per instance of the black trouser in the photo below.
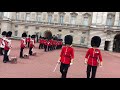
(40, 46)
(30, 51)
(64, 69)
(28, 44)
(45, 47)
(49, 48)
(1, 51)
(21, 52)
(5, 58)
(94, 69)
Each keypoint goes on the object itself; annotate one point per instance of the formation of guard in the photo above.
(93, 57)
(50, 44)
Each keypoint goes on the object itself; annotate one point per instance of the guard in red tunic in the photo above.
(32, 44)
(66, 56)
(28, 40)
(7, 47)
(23, 44)
(93, 57)
(2, 43)
(41, 43)
(45, 44)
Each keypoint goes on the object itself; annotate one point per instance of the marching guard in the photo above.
(23, 44)
(93, 57)
(32, 44)
(7, 47)
(2, 44)
(66, 56)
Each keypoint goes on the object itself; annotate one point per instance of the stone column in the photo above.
(94, 17)
(116, 19)
(104, 18)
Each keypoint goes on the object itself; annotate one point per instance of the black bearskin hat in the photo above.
(68, 39)
(9, 34)
(24, 35)
(33, 36)
(28, 35)
(4, 33)
(95, 41)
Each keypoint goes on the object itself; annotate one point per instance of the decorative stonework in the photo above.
(74, 14)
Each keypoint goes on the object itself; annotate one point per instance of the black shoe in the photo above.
(4, 61)
(22, 57)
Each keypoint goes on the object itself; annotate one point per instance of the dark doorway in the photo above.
(116, 44)
(107, 44)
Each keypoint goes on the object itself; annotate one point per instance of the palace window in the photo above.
(17, 15)
(27, 16)
(49, 18)
(61, 21)
(82, 40)
(86, 19)
(38, 18)
(16, 32)
(110, 20)
(73, 18)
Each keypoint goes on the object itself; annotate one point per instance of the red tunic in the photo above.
(41, 41)
(45, 42)
(7, 44)
(28, 39)
(67, 54)
(23, 43)
(51, 42)
(93, 55)
(32, 44)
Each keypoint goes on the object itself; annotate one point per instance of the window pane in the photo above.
(16, 33)
(38, 18)
(119, 23)
(49, 18)
(17, 16)
(61, 19)
(82, 40)
(109, 21)
(72, 20)
(27, 17)
(85, 22)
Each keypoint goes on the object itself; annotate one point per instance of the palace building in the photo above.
(81, 25)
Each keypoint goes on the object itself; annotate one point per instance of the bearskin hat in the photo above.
(95, 41)
(24, 35)
(28, 35)
(9, 34)
(33, 36)
(4, 33)
(68, 39)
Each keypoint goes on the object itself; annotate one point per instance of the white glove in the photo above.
(58, 61)
(71, 63)
(8, 53)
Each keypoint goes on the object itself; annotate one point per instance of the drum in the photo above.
(34, 54)
(26, 56)
(13, 60)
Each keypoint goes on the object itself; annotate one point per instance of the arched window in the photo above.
(73, 18)
(27, 16)
(86, 19)
(110, 20)
(82, 40)
(50, 17)
(1, 14)
(38, 18)
(17, 15)
(61, 17)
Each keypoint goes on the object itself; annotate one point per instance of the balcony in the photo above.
(54, 25)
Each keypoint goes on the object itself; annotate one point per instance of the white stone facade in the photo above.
(81, 25)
